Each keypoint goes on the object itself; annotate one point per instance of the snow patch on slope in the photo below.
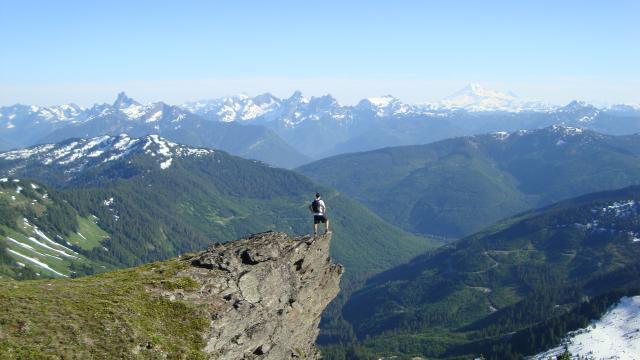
(566, 130)
(36, 262)
(617, 217)
(166, 164)
(501, 135)
(30, 248)
(615, 336)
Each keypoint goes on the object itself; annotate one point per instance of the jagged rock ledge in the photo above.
(265, 294)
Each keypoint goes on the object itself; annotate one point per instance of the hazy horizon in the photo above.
(177, 93)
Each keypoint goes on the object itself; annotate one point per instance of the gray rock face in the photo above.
(265, 294)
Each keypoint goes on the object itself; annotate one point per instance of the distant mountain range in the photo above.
(289, 132)
(27, 126)
(143, 199)
(298, 108)
(320, 126)
(455, 187)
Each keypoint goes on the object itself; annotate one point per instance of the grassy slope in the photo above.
(89, 234)
(48, 319)
(21, 211)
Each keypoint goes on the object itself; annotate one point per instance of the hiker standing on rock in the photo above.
(319, 210)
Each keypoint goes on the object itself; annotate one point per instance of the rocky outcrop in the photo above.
(265, 294)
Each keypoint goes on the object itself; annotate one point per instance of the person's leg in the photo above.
(315, 228)
(326, 226)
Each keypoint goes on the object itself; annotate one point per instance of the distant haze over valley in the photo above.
(347, 91)
(434, 93)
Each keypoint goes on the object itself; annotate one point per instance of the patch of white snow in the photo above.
(614, 336)
(37, 262)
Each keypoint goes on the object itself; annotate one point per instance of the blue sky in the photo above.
(85, 51)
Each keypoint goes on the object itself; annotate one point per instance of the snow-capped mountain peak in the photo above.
(474, 97)
(77, 154)
(297, 109)
(381, 101)
(580, 111)
(63, 112)
(123, 101)
(265, 99)
(480, 91)
(134, 110)
(128, 108)
(15, 114)
(297, 98)
(232, 108)
(576, 105)
(386, 105)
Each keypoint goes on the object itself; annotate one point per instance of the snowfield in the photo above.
(615, 336)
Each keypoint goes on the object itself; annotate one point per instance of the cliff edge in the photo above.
(259, 297)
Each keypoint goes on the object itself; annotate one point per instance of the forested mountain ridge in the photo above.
(530, 274)
(157, 199)
(455, 187)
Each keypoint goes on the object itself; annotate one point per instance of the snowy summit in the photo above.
(79, 153)
(474, 97)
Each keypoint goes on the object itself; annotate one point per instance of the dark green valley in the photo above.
(455, 187)
(509, 291)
